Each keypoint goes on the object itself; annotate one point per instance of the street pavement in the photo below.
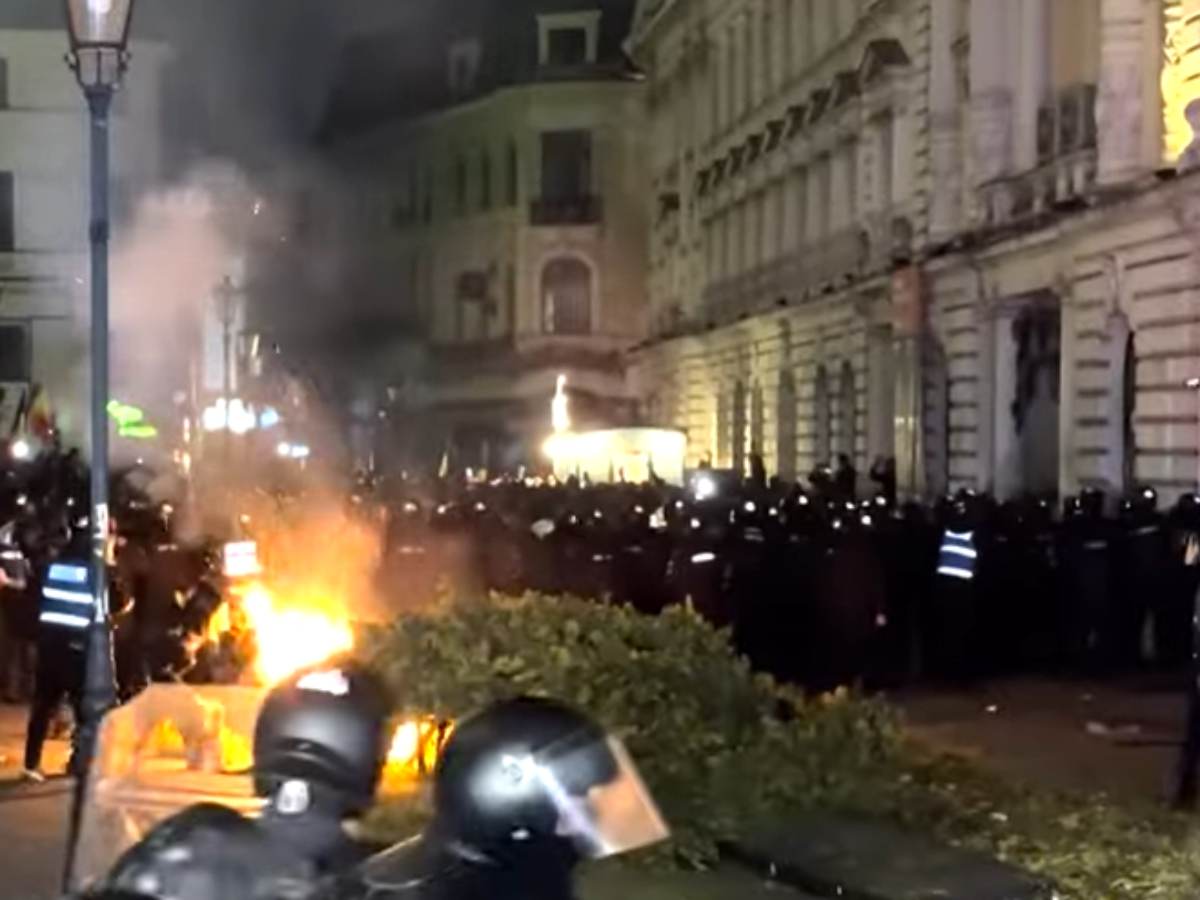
(33, 818)
(1120, 739)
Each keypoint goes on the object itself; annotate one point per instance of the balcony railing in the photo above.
(585, 210)
(870, 247)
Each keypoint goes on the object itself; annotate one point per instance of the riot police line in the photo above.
(821, 589)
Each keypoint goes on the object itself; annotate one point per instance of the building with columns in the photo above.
(493, 153)
(957, 232)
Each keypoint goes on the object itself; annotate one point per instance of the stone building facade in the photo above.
(957, 232)
(44, 213)
(505, 190)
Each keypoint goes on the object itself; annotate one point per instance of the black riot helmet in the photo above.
(1145, 500)
(325, 728)
(1091, 502)
(530, 775)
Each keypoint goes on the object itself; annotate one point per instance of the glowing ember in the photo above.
(291, 637)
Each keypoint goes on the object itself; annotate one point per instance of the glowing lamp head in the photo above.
(99, 32)
(21, 450)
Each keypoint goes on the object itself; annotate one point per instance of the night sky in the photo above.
(251, 77)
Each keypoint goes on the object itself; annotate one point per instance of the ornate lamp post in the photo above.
(99, 32)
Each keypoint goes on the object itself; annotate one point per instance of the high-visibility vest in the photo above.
(958, 556)
(67, 598)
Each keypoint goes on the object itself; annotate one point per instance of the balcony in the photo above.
(584, 210)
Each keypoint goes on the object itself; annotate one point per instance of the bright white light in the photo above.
(235, 416)
(292, 451)
(701, 558)
(240, 559)
(21, 449)
(560, 414)
(332, 682)
(705, 487)
(269, 418)
(1194, 383)
(99, 7)
(241, 417)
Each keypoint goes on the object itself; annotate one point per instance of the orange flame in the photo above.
(289, 637)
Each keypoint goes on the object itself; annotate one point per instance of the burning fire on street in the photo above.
(284, 613)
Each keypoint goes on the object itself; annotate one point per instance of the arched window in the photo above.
(785, 418)
(822, 425)
(847, 411)
(567, 296)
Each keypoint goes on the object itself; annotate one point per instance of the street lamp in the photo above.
(99, 31)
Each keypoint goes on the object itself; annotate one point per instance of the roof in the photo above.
(403, 73)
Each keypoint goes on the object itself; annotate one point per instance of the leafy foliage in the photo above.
(720, 746)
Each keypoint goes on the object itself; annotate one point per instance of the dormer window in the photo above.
(463, 59)
(569, 39)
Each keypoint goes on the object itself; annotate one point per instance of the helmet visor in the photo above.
(601, 816)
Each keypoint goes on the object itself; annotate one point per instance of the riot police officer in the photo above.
(524, 791)
(1143, 570)
(319, 749)
(65, 614)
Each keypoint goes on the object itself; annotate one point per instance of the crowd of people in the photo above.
(822, 588)
(817, 585)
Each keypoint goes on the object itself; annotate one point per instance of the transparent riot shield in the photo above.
(173, 746)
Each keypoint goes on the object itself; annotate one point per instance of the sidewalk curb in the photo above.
(851, 859)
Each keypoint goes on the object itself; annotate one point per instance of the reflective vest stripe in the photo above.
(79, 597)
(953, 572)
(957, 555)
(70, 621)
(960, 551)
(67, 601)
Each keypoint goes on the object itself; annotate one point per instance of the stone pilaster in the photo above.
(1033, 59)
(945, 126)
(1120, 105)
(991, 90)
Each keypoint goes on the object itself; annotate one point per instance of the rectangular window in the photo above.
(512, 175)
(3, 83)
(14, 353)
(7, 215)
(460, 185)
(485, 180)
(566, 165)
(566, 47)
(427, 204)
